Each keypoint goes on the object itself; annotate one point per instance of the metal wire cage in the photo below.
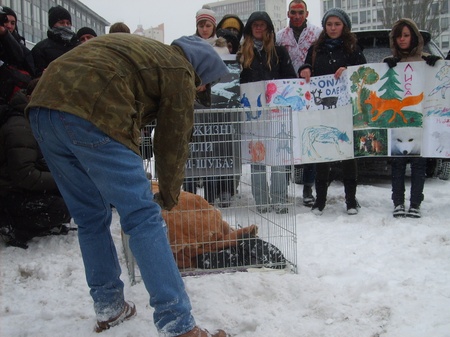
(237, 208)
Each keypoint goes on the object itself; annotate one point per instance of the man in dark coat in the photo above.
(16, 61)
(60, 39)
(28, 191)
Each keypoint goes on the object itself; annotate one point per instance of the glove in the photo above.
(391, 61)
(431, 59)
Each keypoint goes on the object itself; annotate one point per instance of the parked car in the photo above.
(375, 44)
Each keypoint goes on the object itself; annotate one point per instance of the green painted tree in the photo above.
(390, 85)
(360, 78)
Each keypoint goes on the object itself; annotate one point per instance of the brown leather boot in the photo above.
(197, 332)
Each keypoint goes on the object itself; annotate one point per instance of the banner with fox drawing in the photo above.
(401, 110)
(372, 110)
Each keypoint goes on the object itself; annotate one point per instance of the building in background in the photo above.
(155, 33)
(276, 9)
(32, 17)
(371, 14)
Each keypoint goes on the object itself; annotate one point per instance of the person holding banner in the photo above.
(262, 60)
(406, 44)
(335, 50)
(297, 38)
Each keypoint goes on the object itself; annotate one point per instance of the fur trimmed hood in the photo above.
(415, 53)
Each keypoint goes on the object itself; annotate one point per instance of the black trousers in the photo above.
(418, 175)
(349, 174)
(33, 214)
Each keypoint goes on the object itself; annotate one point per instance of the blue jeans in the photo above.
(94, 172)
(309, 174)
(278, 184)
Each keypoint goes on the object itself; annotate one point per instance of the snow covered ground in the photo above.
(368, 275)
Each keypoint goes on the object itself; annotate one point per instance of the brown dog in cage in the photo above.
(195, 227)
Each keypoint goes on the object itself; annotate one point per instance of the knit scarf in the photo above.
(63, 33)
(332, 44)
(258, 44)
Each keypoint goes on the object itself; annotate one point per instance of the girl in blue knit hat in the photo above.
(335, 50)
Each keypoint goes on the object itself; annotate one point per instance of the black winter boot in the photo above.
(321, 197)
(350, 197)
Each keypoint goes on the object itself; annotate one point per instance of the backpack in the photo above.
(12, 80)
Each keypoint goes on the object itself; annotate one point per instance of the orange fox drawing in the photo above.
(381, 105)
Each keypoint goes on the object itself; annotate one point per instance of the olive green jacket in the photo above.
(121, 82)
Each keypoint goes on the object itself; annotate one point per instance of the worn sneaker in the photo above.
(352, 207)
(197, 332)
(129, 310)
(308, 201)
(280, 209)
(317, 208)
(352, 211)
(414, 212)
(399, 211)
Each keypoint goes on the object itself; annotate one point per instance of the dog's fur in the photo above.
(195, 227)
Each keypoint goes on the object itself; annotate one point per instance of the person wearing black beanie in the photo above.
(85, 33)
(57, 14)
(11, 23)
(60, 39)
(16, 61)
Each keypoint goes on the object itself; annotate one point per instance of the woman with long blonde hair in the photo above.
(262, 60)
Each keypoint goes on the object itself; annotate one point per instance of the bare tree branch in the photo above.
(425, 13)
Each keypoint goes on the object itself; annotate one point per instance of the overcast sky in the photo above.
(178, 16)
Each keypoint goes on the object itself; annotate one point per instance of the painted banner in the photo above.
(215, 146)
(372, 110)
